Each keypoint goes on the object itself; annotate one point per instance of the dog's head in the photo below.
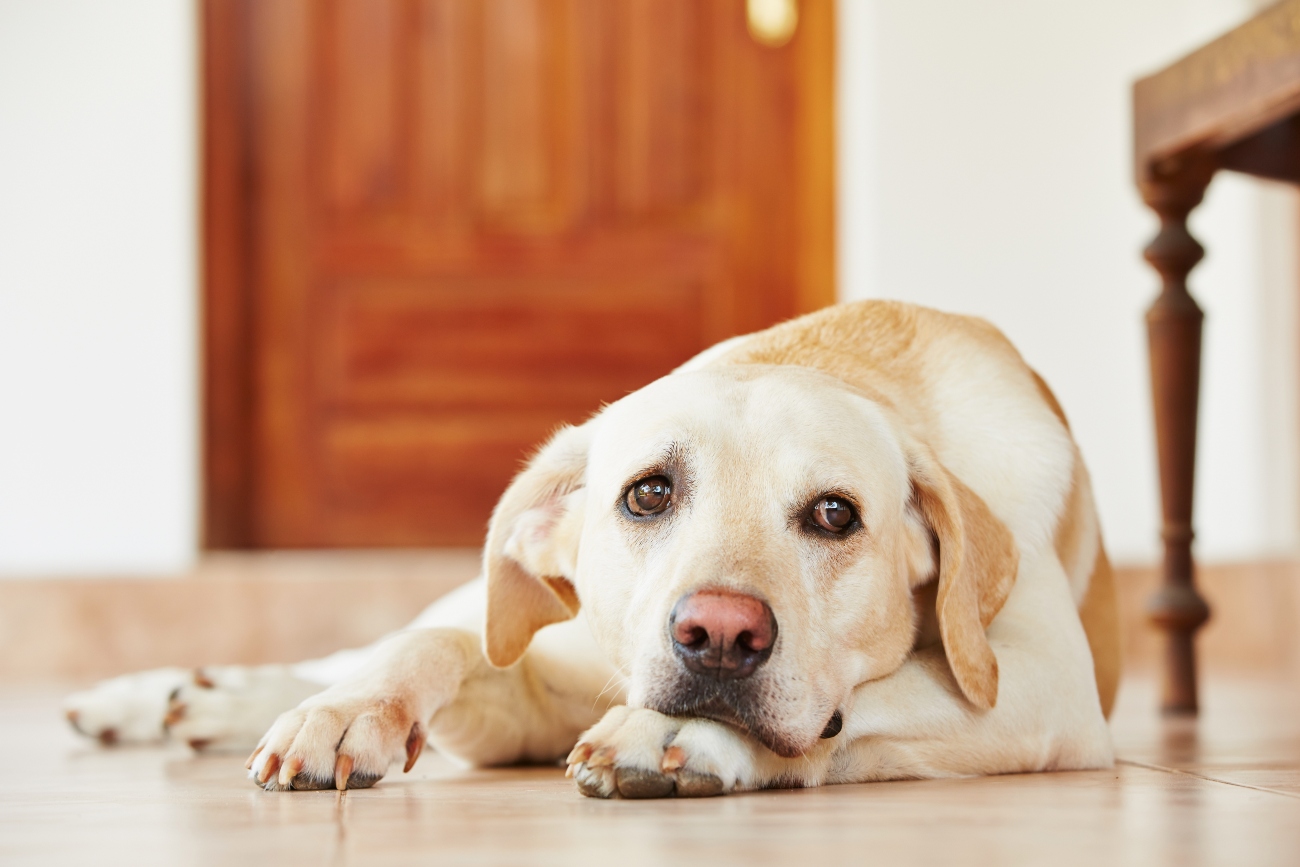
(747, 543)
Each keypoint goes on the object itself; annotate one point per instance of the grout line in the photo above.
(1208, 779)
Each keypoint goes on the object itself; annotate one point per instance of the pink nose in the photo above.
(727, 635)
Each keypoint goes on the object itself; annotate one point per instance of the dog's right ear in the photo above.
(532, 547)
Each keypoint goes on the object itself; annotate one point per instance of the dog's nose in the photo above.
(726, 635)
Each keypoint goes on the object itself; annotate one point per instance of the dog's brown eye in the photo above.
(649, 496)
(833, 514)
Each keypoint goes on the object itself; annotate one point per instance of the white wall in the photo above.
(98, 416)
(985, 167)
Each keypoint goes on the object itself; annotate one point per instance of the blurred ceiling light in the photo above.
(772, 22)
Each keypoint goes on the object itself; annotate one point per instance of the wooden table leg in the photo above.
(1174, 336)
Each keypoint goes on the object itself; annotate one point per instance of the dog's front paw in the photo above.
(639, 753)
(338, 740)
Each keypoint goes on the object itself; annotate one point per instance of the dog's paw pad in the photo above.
(636, 783)
(638, 753)
(694, 785)
(304, 783)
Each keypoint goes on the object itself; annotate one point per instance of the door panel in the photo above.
(435, 229)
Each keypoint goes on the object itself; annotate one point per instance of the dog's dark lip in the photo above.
(718, 710)
(721, 711)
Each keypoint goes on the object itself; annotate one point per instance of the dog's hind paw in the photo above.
(218, 707)
(638, 753)
(125, 710)
(229, 707)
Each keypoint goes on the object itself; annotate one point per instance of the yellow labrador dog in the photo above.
(860, 545)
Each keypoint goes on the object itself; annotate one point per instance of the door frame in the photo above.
(226, 308)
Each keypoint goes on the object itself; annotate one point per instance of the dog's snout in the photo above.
(726, 635)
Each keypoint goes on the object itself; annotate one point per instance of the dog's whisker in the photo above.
(604, 690)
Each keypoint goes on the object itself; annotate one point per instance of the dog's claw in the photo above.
(269, 769)
(601, 758)
(289, 770)
(248, 766)
(414, 746)
(579, 754)
(175, 713)
(342, 771)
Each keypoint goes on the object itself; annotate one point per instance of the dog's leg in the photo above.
(349, 734)
(229, 707)
(639, 753)
(216, 707)
(435, 684)
(914, 723)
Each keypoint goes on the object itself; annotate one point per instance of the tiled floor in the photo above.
(1221, 790)
(1224, 789)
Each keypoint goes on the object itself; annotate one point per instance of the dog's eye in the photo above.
(833, 514)
(649, 496)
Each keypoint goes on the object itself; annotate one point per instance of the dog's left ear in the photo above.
(977, 568)
(532, 546)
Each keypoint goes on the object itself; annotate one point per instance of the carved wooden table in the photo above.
(1235, 105)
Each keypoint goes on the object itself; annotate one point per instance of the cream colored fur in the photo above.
(945, 632)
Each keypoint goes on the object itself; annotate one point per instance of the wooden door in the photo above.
(435, 229)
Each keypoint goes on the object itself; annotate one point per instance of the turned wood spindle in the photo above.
(1174, 337)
